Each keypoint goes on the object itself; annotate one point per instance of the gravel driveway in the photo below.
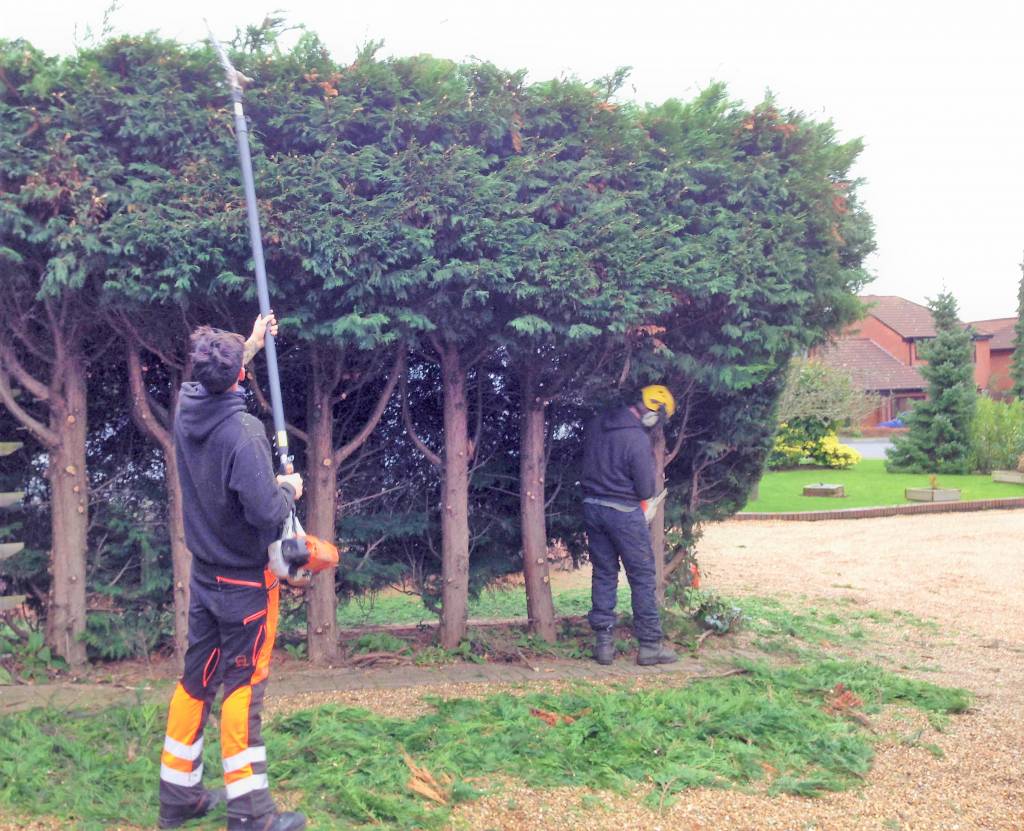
(964, 571)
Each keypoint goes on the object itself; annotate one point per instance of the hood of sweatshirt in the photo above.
(621, 418)
(200, 412)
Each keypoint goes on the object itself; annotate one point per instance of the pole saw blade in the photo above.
(235, 81)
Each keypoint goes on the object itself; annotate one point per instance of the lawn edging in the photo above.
(890, 510)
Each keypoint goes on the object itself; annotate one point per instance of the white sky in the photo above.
(936, 90)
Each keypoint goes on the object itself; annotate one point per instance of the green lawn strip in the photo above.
(867, 485)
(494, 605)
(344, 766)
(778, 626)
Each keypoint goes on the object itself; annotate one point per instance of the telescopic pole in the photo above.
(256, 241)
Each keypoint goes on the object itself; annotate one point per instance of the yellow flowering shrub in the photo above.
(796, 445)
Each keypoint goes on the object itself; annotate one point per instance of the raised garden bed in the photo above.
(1015, 477)
(823, 489)
(933, 494)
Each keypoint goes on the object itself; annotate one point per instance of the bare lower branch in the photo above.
(372, 496)
(474, 442)
(142, 410)
(47, 437)
(397, 371)
(36, 388)
(435, 341)
(684, 421)
(264, 406)
(370, 548)
(166, 359)
(410, 428)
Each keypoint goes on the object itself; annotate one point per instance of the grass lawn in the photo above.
(500, 603)
(867, 485)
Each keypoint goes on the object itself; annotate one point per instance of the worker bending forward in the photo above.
(234, 508)
(618, 473)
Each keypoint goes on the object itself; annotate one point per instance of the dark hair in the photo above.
(216, 357)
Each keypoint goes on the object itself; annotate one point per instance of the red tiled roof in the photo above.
(1001, 329)
(870, 366)
(909, 319)
(906, 318)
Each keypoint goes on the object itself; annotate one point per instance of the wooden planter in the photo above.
(932, 494)
(1014, 476)
(822, 489)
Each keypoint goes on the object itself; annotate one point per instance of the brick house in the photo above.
(881, 353)
(1001, 348)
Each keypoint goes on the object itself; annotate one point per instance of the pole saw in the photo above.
(296, 556)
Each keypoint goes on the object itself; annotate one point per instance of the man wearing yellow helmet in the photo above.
(618, 474)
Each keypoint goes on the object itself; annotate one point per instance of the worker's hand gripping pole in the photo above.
(235, 79)
(296, 556)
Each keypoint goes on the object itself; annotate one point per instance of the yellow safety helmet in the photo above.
(656, 396)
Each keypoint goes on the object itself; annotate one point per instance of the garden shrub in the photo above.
(997, 437)
(809, 442)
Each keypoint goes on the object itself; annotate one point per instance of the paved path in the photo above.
(291, 681)
(869, 448)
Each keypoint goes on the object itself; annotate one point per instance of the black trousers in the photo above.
(619, 536)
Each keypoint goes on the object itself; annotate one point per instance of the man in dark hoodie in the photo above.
(234, 507)
(618, 474)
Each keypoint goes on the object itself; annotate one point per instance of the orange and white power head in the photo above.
(297, 556)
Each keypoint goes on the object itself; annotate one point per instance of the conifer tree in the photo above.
(1017, 366)
(940, 427)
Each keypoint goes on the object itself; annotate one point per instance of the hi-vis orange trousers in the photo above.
(232, 624)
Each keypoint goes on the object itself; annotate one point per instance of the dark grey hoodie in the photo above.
(618, 458)
(233, 506)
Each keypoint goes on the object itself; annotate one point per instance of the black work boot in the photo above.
(655, 653)
(172, 817)
(604, 646)
(285, 821)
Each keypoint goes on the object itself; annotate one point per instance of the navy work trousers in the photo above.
(619, 536)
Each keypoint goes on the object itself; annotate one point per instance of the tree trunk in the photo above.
(658, 524)
(540, 608)
(321, 491)
(163, 435)
(454, 501)
(69, 521)
(181, 557)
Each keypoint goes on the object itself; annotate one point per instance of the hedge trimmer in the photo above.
(296, 556)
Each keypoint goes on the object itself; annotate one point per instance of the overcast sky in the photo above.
(935, 90)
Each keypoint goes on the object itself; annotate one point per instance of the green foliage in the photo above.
(939, 438)
(766, 244)
(707, 609)
(1017, 364)
(347, 764)
(997, 434)
(26, 656)
(565, 245)
(379, 642)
